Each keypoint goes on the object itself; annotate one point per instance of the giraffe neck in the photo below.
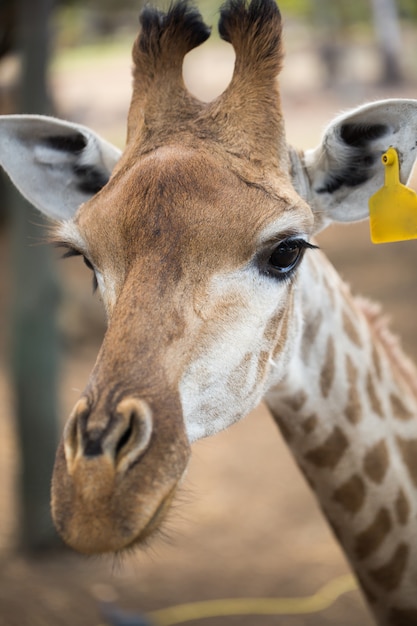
(348, 409)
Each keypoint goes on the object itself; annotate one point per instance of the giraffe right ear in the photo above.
(56, 165)
(345, 170)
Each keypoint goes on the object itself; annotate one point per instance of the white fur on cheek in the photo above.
(222, 383)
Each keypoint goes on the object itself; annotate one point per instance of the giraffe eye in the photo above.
(285, 257)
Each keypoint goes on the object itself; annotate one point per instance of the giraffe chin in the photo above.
(96, 534)
(155, 523)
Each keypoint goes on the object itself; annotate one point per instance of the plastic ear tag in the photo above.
(393, 208)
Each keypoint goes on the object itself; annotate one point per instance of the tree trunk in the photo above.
(35, 298)
(7, 44)
(387, 29)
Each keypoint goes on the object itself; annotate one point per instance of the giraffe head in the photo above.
(194, 234)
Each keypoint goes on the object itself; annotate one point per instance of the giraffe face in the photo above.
(197, 284)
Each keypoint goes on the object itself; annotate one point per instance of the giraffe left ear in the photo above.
(346, 170)
(56, 165)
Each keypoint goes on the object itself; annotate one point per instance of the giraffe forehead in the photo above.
(178, 200)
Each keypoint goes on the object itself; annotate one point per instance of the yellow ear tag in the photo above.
(393, 208)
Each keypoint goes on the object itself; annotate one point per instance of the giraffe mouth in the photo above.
(155, 522)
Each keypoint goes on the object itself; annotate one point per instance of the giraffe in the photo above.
(199, 235)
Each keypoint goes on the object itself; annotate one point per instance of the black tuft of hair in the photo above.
(254, 14)
(182, 23)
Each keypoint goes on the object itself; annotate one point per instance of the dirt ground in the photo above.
(245, 524)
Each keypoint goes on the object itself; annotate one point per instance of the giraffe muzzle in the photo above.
(117, 470)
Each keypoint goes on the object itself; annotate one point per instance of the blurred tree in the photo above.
(329, 24)
(7, 26)
(332, 21)
(388, 32)
(34, 342)
(102, 18)
(3, 200)
(408, 9)
(7, 43)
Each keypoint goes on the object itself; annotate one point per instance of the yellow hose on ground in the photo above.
(319, 601)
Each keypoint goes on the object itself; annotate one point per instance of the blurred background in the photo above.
(245, 523)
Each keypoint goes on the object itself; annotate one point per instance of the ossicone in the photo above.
(171, 34)
(254, 30)
(159, 93)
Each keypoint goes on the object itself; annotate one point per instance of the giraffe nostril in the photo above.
(127, 435)
(73, 431)
(121, 437)
(93, 447)
(133, 433)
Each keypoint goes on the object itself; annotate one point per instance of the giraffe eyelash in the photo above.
(70, 249)
(71, 252)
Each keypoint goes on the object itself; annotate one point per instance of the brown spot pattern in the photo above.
(399, 409)
(328, 369)
(239, 375)
(376, 461)
(310, 334)
(329, 453)
(283, 328)
(376, 360)
(262, 368)
(408, 449)
(373, 396)
(389, 576)
(402, 507)
(350, 329)
(330, 291)
(296, 400)
(285, 431)
(403, 617)
(372, 537)
(271, 329)
(353, 410)
(263, 359)
(310, 423)
(351, 495)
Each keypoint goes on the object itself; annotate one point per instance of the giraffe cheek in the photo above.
(214, 399)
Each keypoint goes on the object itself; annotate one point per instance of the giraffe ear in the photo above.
(56, 165)
(346, 170)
